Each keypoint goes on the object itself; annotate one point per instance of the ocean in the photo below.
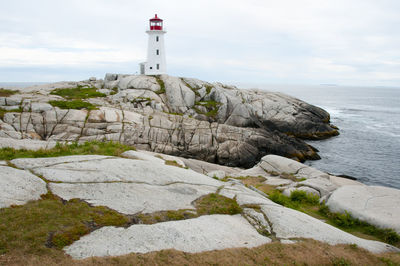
(368, 147)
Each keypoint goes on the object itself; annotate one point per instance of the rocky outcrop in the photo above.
(178, 116)
(141, 182)
(289, 175)
(240, 108)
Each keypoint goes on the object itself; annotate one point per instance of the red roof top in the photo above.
(156, 18)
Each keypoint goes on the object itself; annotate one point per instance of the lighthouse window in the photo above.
(158, 52)
(156, 38)
(158, 66)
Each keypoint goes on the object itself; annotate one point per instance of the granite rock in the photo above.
(376, 205)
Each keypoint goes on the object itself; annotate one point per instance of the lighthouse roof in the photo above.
(156, 18)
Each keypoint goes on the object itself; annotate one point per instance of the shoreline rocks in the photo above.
(184, 117)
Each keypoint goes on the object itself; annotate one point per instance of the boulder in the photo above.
(376, 205)
(322, 185)
(288, 191)
(219, 174)
(280, 165)
(179, 96)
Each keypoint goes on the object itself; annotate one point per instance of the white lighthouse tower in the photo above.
(156, 63)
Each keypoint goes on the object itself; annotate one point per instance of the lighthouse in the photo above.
(156, 63)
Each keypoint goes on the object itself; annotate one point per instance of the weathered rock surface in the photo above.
(288, 223)
(171, 115)
(27, 144)
(31, 163)
(132, 198)
(205, 233)
(273, 163)
(142, 182)
(114, 169)
(376, 205)
(17, 187)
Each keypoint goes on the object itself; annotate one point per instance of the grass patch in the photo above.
(255, 181)
(173, 163)
(195, 90)
(79, 92)
(6, 93)
(309, 204)
(217, 204)
(298, 199)
(4, 111)
(212, 108)
(92, 147)
(208, 88)
(114, 91)
(164, 216)
(209, 204)
(51, 222)
(74, 104)
(161, 83)
(350, 224)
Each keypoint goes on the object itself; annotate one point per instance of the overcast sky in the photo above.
(347, 42)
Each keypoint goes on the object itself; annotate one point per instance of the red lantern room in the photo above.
(156, 23)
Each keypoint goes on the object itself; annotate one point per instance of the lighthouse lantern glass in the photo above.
(155, 25)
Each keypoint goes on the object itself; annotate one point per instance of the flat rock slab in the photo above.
(116, 169)
(274, 181)
(132, 198)
(28, 144)
(244, 195)
(376, 205)
(340, 181)
(30, 163)
(17, 187)
(288, 223)
(142, 156)
(213, 232)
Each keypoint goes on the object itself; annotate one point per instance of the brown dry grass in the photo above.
(251, 180)
(257, 182)
(307, 252)
(173, 163)
(7, 93)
